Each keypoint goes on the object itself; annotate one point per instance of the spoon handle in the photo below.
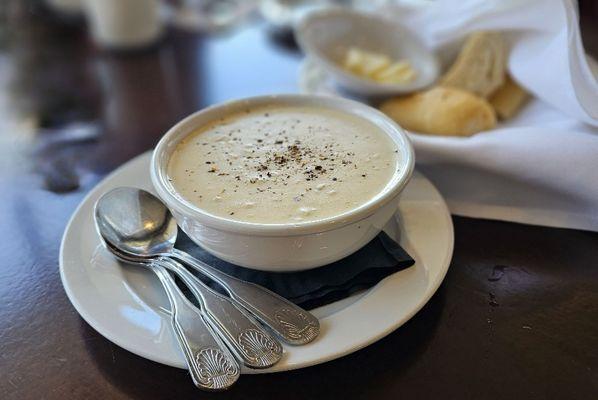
(290, 322)
(246, 338)
(211, 365)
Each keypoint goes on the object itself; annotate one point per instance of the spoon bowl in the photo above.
(135, 222)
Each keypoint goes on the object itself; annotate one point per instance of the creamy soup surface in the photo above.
(282, 164)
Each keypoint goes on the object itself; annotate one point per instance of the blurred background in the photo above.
(87, 84)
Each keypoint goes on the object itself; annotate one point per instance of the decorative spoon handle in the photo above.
(211, 365)
(243, 334)
(291, 323)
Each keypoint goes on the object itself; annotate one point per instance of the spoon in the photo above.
(139, 224)
(211, 365)
(244, 336)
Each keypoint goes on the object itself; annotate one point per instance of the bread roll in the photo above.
(480, 66)
(442, 111)
(508, 99)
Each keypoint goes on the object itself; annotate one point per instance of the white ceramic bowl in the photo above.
(326, 36)
(292, 246)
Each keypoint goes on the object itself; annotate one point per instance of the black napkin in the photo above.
(378, 259)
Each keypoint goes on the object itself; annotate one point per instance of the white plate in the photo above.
(128, 307)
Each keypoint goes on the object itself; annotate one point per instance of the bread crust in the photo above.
(508, 99)
(442, 111)
(480, 66)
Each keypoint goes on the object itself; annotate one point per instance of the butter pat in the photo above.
(398, 72)
(378, 67)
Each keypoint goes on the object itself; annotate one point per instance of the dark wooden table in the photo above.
(516, 317)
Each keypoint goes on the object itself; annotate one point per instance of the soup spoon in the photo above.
(244, 336)
(211, 365)
(139, 224)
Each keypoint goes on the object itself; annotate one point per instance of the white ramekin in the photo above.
(292, 246)
(326, 35)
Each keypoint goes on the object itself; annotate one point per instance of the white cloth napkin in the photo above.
(542, 166)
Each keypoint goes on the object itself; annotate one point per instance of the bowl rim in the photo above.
(357, 82)
(160, 158)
